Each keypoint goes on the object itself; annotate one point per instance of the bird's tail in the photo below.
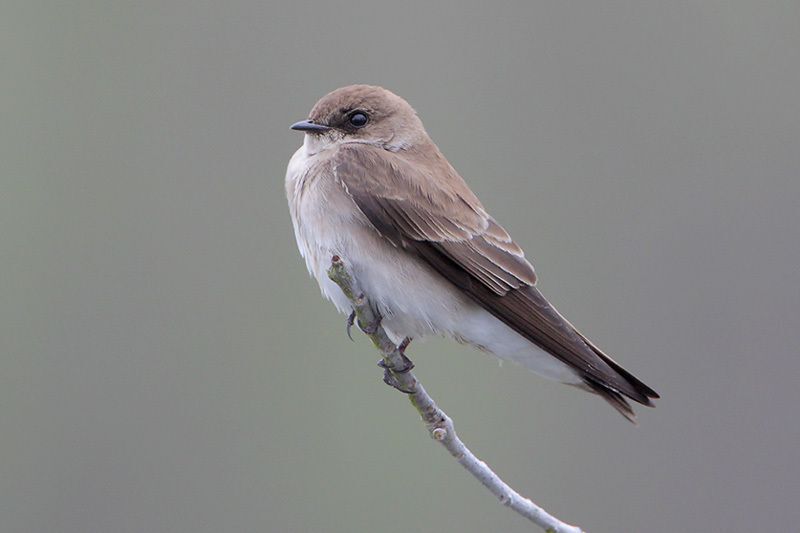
(615, 398)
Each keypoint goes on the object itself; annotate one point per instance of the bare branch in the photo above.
(438, 423)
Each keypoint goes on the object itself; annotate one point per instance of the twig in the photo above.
(438, 423)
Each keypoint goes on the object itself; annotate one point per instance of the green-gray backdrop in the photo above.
(166, 364)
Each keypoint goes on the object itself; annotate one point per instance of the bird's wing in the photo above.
(426, 208)
(407, 206)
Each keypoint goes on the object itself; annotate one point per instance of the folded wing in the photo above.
(419, 203)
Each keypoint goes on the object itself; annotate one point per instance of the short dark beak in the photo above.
(307, 125)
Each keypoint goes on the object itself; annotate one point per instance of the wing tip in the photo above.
(641, 392)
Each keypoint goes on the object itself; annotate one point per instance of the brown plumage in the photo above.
(407, 192)
(448, 228)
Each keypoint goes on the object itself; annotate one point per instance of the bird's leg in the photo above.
(350, 321)
(403, 345)
(408, 364)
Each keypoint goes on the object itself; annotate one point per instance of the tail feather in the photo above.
(646, 392)
(615, 399)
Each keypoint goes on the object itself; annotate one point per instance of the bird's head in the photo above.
(364, 114)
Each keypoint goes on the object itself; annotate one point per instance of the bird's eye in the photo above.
(358, 120)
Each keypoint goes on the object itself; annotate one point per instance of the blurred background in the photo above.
(169, 366)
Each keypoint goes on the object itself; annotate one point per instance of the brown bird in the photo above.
(370, 186)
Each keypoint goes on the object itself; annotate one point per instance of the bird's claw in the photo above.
(390, 373)
(408, 365)
(350, 321)
(389, 379)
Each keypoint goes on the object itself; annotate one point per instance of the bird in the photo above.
(370, 186)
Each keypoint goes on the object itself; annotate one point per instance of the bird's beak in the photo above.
(308, 125)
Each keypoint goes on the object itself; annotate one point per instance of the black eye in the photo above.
(358, 120)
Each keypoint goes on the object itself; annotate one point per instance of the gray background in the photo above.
(168, 366)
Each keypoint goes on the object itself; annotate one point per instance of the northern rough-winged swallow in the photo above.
(370, 186)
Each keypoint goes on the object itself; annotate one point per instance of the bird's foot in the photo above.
(390, 379)
(408, 365)
(390, 373)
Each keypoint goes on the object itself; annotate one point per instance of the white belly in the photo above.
(414, 300)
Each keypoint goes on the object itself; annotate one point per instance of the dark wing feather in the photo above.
(404, 207)
(436, 217)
